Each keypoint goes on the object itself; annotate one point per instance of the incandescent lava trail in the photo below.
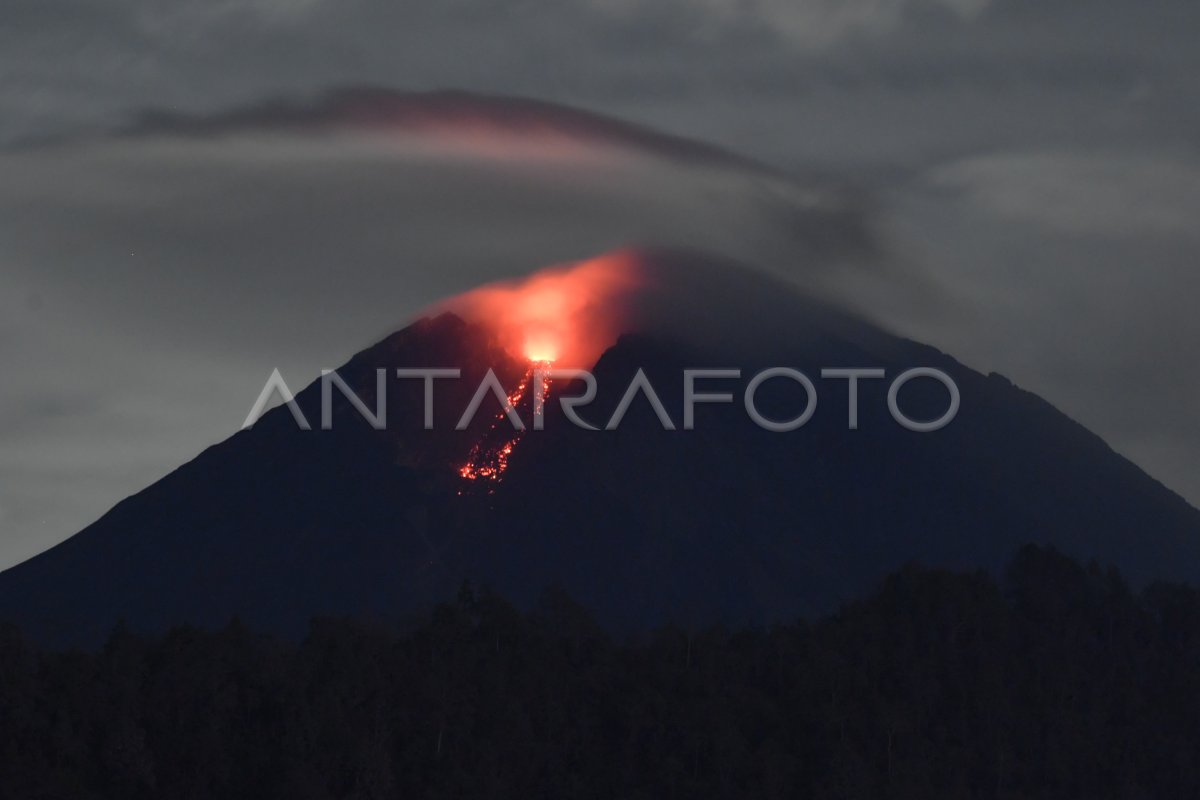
(563, 316)
(489, 456)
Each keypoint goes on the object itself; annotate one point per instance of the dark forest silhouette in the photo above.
(1058, 681)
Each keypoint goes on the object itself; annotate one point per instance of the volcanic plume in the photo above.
(565, 315)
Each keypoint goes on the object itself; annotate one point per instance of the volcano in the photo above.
(724, 523)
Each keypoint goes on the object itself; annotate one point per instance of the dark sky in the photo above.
(1014, 181)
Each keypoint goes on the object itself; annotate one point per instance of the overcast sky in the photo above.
(190, 195)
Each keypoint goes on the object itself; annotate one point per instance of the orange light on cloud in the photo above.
(567, 315)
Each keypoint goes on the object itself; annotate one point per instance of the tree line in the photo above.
(1055, 680)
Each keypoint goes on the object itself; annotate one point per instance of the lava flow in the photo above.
(488, 458)
(566, 315)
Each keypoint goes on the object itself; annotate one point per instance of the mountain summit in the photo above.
(724, 523)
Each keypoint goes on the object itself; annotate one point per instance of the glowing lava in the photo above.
(565, 315)
(568, 314)
(489, 456)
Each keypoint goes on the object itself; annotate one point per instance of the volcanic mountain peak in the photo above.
(724, 523)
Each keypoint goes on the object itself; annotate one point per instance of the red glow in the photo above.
(489, 456)
(567, 315)
(563, 316)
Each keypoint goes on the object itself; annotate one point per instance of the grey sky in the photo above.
(1013, 181)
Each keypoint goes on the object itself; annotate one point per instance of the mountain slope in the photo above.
(725, 523)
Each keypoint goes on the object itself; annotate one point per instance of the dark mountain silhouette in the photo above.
(726, 523)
